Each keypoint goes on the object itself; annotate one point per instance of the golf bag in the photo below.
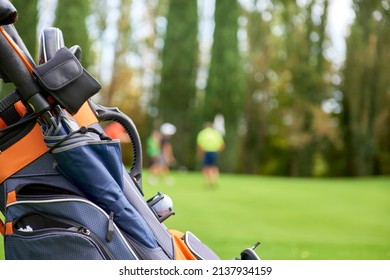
(64, 191)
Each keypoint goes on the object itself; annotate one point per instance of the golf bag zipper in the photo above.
(73, 227)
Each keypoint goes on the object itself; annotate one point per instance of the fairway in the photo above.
(293, 218)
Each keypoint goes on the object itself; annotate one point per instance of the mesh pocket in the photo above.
(62, 227)
(51, 245)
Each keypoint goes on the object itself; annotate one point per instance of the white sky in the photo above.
(340, 16)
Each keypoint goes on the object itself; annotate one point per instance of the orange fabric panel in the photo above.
(8, 228)
(85, 116)
(11, 197)
(2, 228)
(2, 123)
(22, 153)
(20, 108)
(181, 250)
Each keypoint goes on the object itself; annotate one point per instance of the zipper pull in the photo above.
(110, 232)
(84, 230)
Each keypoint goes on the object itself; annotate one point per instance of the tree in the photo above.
(258, 58)
(286, 69)
(304, 65)
(27, 22)
(121, 75)
(365, 119)
(71, 18)
(177, 89)
(225, 84)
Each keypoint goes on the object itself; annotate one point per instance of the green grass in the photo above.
(293, 218)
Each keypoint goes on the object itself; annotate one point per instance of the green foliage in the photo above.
(366, 91)
(272, 92)
(71, 18)
(286, 87)
(27, 19)
(177, 89)
(225, 85)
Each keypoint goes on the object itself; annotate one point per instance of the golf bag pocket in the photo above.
(47, 222)
(66, 80)
(33, 232)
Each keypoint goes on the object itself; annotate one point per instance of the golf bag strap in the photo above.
(23, 152)
(182, 252)
(32, 146)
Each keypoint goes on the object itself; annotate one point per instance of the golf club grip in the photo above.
(14, 67)
(113, 114)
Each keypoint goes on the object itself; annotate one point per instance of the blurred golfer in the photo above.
(210, 142)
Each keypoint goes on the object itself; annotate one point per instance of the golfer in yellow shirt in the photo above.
(210, 142)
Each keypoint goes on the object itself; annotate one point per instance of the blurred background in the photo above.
(303, 86)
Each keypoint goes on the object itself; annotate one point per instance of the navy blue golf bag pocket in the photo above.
(28, 240)
(48, 218)
(62, 228)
